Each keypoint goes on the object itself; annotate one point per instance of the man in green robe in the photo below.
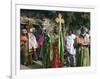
(50, 45)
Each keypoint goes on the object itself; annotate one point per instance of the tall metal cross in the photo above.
(60, 20)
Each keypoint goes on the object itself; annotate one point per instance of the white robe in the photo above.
(32, 41)
(69, 44)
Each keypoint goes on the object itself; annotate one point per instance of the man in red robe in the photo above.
(54, 49)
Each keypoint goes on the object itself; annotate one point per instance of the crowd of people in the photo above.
(54, 46)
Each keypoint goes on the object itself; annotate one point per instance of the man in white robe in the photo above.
(33, 45)
(71, 51)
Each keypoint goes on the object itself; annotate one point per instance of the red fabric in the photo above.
(56, 33)
(55, 44)
(55, 62)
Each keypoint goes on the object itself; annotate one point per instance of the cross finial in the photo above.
(60, 20)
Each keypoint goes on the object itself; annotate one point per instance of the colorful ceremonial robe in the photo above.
(24, 50)
(58, 49)
(54, 51)
(83, 58)
(46, 53)
(50, 51)
(40, 40)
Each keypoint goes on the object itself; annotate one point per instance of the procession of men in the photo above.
(48, 42)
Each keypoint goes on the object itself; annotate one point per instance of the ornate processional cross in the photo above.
(60, 20)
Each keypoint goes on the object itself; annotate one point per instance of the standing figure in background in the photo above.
(70, 50)
(83, 42)
(33, 45)
(40, 40)
(24, 47)
(54, 50)
(46, 51)
(45, 41)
